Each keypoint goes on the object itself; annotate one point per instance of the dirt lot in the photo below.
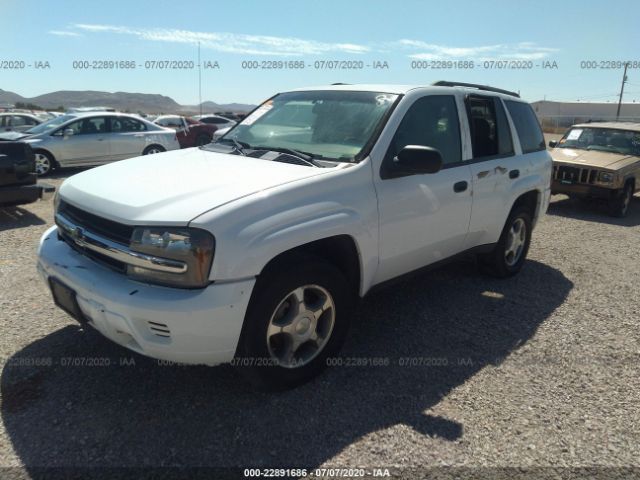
(537, 371)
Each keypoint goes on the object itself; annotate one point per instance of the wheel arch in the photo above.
(48, 152)
(340, 250)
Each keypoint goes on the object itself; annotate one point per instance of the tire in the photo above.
(45, 163)
(510, 253)
(619, 205)
(277, 349)
(203, 139)
(153, 149)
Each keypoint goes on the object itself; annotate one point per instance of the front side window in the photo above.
(431, 122)
(527, 126)
(88, 126)
(335, 125)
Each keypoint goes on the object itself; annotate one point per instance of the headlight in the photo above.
(191, 246)
(56, 200)
(605, 177)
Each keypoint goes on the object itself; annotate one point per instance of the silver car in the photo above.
(80, 139)
(18, 122)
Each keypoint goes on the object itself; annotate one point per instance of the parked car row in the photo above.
(190, 132)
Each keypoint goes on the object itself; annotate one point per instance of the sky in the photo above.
(64, 36)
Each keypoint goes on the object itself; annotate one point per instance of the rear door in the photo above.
(492, 167)
(424, 218)
(127, 137)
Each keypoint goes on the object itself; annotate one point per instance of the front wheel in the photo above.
(619, 205)
(44, 163)
(510, 253)
(153, 149)
(297, 319)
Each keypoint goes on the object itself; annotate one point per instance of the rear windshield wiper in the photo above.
(307, 157)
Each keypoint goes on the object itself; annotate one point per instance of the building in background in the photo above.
(555, 117)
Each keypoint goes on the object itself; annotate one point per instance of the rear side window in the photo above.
(432, 122)
(125, 124)
(527, 126)
(490, 132)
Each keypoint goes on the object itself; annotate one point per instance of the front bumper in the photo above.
(187, 326)
(21, 194)
(582, 190)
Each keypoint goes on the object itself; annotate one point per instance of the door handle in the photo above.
(501, 170)
(460, 186)
(483, 174)
(100, 139)
(514, 173)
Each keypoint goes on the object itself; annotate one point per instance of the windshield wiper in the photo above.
(239, 146)
(305, 156)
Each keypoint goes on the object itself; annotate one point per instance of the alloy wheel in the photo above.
(43, 164)
(516, 239)
(301, 326)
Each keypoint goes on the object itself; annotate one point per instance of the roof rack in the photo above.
(340, 83)
(444, 83)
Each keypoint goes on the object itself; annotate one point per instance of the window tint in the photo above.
(483, 126)
(18, 121)
(432, 122)
(124, 124)
(88, 126)
(527, 126)
(505, 142)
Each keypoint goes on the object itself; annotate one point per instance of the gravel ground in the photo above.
(540, 370)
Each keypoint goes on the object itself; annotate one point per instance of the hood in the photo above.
(173, 188)
(592, 158)
(12, 136)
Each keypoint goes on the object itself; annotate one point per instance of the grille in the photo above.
(159, 329)
(567, 174)
(114, 231)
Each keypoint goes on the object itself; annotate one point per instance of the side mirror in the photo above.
(68, 132)
(553, 144)
(416, 160)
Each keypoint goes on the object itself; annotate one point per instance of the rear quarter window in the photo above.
(527, 126)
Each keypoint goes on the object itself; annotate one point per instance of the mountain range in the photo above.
(124, 101)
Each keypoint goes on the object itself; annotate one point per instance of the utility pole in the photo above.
(624, 80)
(200, 80)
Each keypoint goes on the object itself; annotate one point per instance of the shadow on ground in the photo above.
(154, 415)
(593, 211)
(65, 173)
(17, 217)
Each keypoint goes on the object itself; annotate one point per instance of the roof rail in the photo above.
(444, 83)
(340, 83)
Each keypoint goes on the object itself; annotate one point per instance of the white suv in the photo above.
(254, 250)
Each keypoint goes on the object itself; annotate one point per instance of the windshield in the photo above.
(602, 139)
(50, 125)
(333, 125)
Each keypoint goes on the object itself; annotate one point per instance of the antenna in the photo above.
(199, 80)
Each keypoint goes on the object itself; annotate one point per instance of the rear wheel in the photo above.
(510, 253)
(153, 149)
(298, 317)
(619, 205)
(44, 162)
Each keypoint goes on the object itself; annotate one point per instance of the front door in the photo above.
(89, 142)
(424, 218)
